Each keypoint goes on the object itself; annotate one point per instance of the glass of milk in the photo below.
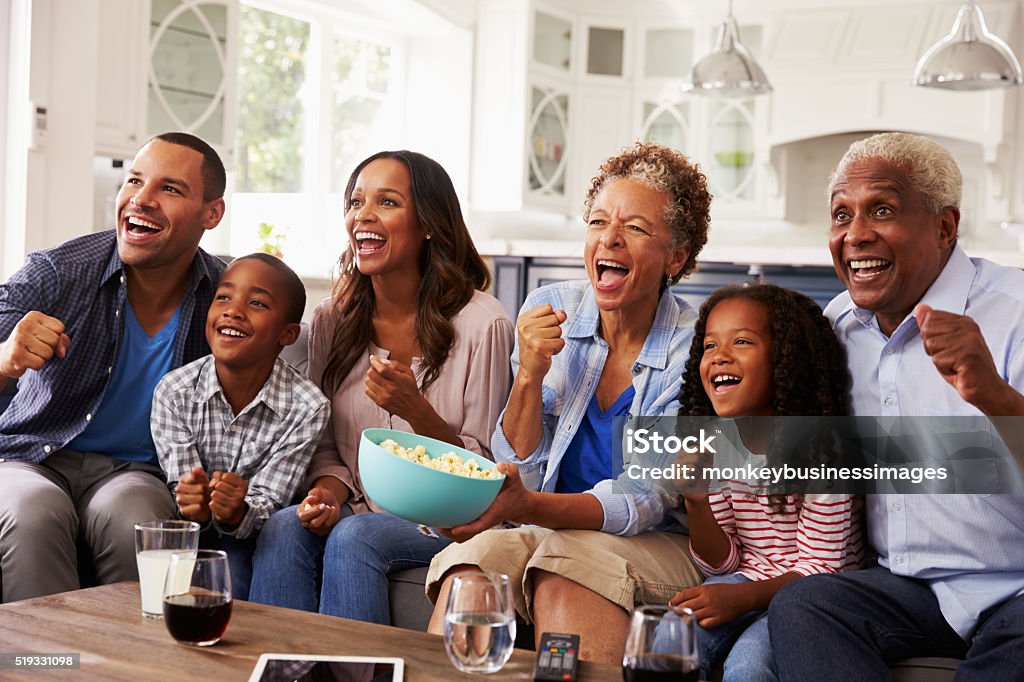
(155, 541)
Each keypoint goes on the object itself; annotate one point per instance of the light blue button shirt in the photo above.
(970, 548)
(572, 380)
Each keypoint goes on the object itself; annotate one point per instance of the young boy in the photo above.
(235, 430)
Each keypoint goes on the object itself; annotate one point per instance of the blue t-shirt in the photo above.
(120, 426)
(588, 459)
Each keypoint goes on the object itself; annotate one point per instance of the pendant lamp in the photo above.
(730, 70)
(969, 58)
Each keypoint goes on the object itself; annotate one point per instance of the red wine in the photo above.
(661, 668)
(197, 618)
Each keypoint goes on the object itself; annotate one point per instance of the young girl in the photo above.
(761, 351)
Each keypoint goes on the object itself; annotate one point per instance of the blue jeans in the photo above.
(859, 621)
(345, 574)
(743, 644)
(239, 552)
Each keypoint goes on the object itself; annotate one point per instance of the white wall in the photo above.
(438, 108)
(5, 42)
(49, 177)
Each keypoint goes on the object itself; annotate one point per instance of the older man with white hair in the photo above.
(928, 331)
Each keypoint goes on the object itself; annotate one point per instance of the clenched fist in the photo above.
(540, 339)
(35, 339)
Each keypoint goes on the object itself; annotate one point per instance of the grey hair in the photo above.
(931, 168)
(688, 213)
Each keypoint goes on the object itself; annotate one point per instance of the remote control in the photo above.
(556, 657)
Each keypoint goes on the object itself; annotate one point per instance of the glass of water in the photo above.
(479, 622)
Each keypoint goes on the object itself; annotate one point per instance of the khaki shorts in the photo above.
(645, 568)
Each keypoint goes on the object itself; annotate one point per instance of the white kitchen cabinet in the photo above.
(120, 80)
(559, 90)
(725, 136)
(548, 103)
(166, 65)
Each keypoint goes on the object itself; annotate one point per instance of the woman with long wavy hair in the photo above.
(406, 336)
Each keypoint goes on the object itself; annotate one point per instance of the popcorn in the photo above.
(449, 462)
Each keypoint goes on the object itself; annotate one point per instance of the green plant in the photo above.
(271, 238)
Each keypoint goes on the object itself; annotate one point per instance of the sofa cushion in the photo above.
(924, 670)
(410, 607)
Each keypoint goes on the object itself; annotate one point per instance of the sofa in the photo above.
(411, 609)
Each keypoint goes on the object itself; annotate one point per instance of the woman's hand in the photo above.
(511, 504)
(319, 512)
(392, 385)
(540, 338)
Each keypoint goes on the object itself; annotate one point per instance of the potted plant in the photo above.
(271, 239)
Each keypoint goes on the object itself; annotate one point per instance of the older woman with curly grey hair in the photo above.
(586, 352)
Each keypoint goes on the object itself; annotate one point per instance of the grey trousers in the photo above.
(72, 498)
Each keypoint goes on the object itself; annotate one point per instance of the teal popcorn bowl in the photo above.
(416, 492)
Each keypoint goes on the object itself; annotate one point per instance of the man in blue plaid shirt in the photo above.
(89, 328)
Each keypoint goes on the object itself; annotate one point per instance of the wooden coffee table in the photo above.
(105, 625)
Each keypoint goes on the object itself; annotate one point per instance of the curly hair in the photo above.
(688, 214)
(809, 371)
(451, 267)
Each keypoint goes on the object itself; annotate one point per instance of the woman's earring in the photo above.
(428, 236)
(668, 280)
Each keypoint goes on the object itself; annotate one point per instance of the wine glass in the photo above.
(661, 646)
(197, 596)
(479, 622)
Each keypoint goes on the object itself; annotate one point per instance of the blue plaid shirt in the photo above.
(572, 380)
(82, 284)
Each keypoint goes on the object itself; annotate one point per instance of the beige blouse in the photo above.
(469, 392)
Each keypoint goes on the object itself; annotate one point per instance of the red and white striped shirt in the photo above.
(810, 534)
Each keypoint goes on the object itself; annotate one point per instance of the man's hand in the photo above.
(227, 497)
(193, 496)
(540, 339)
(511, 504)
(392, 385)
(712, 605)
(958, 350)
(319, 512)
(35, 339)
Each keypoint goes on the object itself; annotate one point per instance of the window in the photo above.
(318, 91)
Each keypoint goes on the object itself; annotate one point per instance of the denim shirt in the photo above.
(82, 283)
(572, 381)
(967, 547)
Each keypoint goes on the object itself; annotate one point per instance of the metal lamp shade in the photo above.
(969, 58)
(729, 71)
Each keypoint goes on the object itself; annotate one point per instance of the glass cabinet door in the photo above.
(732, 149)
(188, 68)
(666, 124)
(605, 51)
(668, 53)
(552, 41)
(546, 147)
